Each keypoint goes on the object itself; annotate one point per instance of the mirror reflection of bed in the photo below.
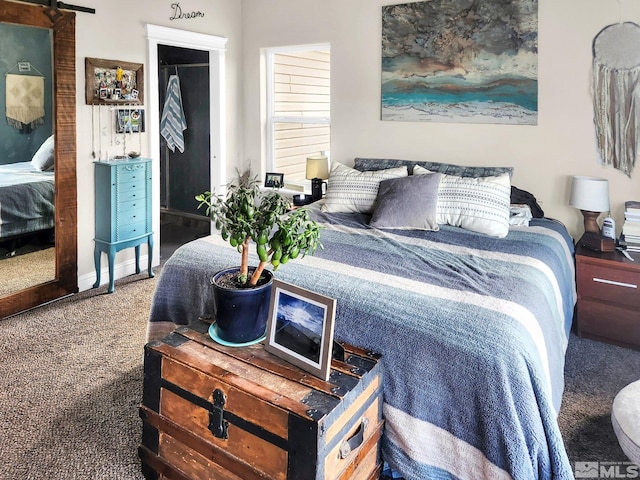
(27, 173)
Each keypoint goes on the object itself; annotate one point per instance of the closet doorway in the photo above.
(184, 174)
(214, 48)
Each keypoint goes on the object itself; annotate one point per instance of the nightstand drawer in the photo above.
(609, 322)
(609, 284)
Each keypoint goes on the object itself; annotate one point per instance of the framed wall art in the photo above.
(109, 82)
(300, 328)
(462, 62)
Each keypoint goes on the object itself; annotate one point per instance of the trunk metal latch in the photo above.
(217, 424)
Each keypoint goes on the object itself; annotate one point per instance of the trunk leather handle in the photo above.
(355, 441)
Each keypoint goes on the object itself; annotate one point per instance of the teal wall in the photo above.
(34, 45)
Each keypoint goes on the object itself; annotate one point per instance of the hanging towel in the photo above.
(173, 123)
(25, 101)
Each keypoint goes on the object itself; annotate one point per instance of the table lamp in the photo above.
(591, 196)
(317, 171)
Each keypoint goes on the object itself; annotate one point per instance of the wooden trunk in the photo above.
(216, 412)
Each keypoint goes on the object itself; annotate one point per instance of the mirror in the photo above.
(61, 278)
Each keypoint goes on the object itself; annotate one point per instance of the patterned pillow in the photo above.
(365, 164)
(477, 204)
(351, 191)
(407, 203)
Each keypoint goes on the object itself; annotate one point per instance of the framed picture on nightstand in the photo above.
(274, 180)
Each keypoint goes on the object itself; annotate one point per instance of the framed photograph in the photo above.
(300, 328)
(113, 81)
(130, 120)
(274, 180)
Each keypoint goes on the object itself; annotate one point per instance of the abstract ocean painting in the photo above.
(469, 61)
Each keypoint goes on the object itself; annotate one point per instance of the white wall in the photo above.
(544, 156)
(117, 32)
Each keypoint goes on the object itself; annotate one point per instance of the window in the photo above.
(298, 108)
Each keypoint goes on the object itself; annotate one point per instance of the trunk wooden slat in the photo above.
(211, 411)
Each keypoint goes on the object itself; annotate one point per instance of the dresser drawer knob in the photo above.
(612, 282)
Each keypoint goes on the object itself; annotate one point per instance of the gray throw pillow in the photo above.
(407, 203)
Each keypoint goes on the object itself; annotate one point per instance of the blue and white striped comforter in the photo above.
(26, 199)
(473, 331)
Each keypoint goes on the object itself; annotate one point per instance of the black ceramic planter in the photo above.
(241, 313)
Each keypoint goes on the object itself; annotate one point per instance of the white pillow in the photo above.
(43, 159)
(479, 204)
(352, 191)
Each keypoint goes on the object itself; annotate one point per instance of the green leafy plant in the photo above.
(247, 215)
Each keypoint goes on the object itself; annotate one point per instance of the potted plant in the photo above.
(249, 217)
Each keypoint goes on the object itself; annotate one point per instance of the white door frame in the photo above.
(216, 46)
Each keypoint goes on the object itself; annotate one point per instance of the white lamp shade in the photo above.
(590, 194)
(317, 167)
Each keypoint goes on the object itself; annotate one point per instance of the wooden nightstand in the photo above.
(608, 297)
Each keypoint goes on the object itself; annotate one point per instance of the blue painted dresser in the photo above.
(123, 211)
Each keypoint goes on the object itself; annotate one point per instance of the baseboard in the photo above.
(120, 270)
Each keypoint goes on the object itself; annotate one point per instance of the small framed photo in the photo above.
(103, 93)
(274, 180)
(130, 120)
(134, 94)
(300, 328)
(116, 94)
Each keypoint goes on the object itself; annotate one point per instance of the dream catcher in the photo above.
(616, 75)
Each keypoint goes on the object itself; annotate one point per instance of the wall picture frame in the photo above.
(300, 328)
(274, 180)
(130, 120)
(109, 82)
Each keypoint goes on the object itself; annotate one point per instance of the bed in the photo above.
(26, 200)
(473, 330)
(27, 195)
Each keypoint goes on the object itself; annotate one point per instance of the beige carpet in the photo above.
(22, 271)
(70, 385)
(71, 382)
